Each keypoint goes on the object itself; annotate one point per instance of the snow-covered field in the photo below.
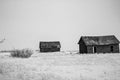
(60, 66)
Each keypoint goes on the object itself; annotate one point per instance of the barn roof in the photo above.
(50, 44)
(99, 40)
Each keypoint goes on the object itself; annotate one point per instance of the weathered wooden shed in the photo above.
(51, 46)
(98, 44)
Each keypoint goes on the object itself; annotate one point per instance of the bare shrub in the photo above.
(24, 53)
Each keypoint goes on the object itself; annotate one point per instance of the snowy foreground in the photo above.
(60, 66)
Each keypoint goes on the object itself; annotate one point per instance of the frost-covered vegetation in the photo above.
(24, 53)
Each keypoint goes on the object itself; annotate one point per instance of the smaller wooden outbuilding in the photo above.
(98, 44)
(51, 46)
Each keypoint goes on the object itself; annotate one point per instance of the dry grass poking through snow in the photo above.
(60, 66)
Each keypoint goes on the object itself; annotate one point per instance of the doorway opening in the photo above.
(111, 48)
(94, 49)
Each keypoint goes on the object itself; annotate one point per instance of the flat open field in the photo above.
(60, 66)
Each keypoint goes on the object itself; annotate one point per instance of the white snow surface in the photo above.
(61, 66)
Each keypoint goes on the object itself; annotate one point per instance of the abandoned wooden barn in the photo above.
(98, 44)
(49, 46)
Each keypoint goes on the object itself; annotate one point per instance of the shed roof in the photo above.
(99, 40)
(50, 44)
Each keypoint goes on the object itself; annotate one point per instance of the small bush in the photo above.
(24, 53)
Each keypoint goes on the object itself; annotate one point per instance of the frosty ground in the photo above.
(60, 66)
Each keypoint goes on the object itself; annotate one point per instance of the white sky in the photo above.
(26, 22)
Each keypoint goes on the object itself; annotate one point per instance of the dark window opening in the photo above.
(111, 48)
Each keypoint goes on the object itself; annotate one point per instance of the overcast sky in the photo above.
(26, 22)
